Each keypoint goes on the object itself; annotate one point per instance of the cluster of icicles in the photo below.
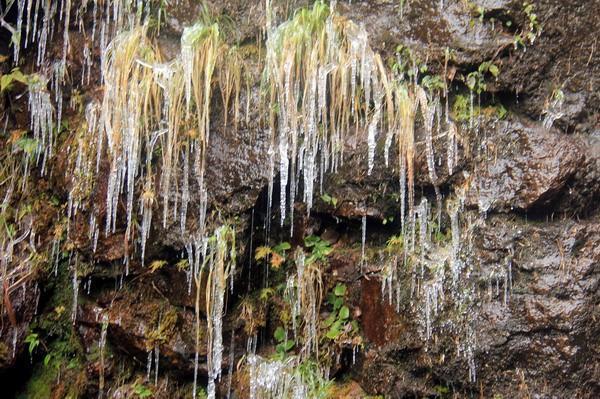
(38, 24)
(273, 379)
(214, 257)
(432, 290)
(323, 81)
(150, 104)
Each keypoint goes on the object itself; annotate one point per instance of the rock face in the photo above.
(527, 167)
(548, 325)
(529, 187)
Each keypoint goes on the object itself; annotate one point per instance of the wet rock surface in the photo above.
(526, 166)
(546, 329)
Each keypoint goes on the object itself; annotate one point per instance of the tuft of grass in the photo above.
(156, 115)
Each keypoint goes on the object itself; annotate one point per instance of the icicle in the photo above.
(471, 110)
(434, 296)
(274, 379)
(156, 359)
(271, 179)
(16, 33)
(402, 192)
(40, 108)
(28, 21)
(283, 175)
(554, 110)
(48, 12)
(101, 345)
(423, 216)
(75, 290)
(428, 109)
(470, 353)
(187, 59)
(66, 44)
(455, 263)
(146, 205)
(363, 241)
(195, 386)
(14, 342)
(34, 31)
(37, 293)
(231, 362)
(221, 258)
(452, 147)
(372, 137)
(185, 194)
(317, 85)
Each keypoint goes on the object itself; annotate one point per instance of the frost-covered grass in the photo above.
(323, 81)
(155, 115)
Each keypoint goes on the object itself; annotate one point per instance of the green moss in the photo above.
(40, 384)
(44, 382)
(63, 351)
(165, 329)
(55, 320)
(461, 110)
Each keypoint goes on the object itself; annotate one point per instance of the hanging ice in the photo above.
(220, 260)
(42, 123)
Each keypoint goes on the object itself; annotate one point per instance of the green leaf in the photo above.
(47, 359)
(142, 391)
(28, 145)
(329, 320)
(344, 312)
(494, 70)
(325, 249)
(33, 341)
(289, 344)
(330, 298)
(284, 346)
(340, 289)
(332, 333)
(183, 264)
(338, 303)
(14, 76)
(279, 334)
(18, 76)
(280, 348)
(54, 200)
(265, 293)
(310, 241)
(284, 246)
(5, 82)
(335, 330)
(501, 111)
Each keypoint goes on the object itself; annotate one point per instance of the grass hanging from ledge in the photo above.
(151, 105)
(320, 76)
